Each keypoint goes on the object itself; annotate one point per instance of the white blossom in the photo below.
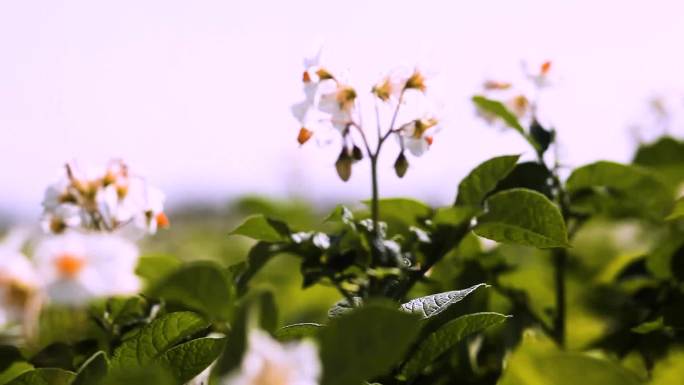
(18, 286)
(268, 362)
(74, 268)
(108, 199)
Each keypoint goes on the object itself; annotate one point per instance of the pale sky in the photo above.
(196, 94)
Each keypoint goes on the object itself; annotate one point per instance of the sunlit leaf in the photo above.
(406, 210)
(260, 228)
(155, 339)
(538, 362)
(151, 268)
(524, 217)
(454, 215)
(665, 156)
(618, 189)
(44, 376)
(670, 369)
(499, 110)
(474, 188)
(431, 305)
(187, 360)
(199, 286)
(678, 211)
(650, 326)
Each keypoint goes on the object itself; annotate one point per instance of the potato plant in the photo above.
(536, 274)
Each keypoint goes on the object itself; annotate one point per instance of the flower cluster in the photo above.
(520, 100)
(109, 199)
(91, 220)
(331, 104)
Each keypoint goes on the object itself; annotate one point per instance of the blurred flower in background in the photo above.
(268, 362)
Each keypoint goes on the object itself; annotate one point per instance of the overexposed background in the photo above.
(197, 94)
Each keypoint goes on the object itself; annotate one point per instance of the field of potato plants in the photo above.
(536, 274)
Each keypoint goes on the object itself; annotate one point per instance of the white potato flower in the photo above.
(108, 199)
(74, 268)
(268, 362)
(18, 286)
(417, 135)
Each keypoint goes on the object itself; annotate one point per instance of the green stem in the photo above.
(560, 261)
(375, 211)
(559, 267)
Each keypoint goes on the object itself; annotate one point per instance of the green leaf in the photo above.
(619, 190)
(446, 337)
(44, 376)
(189, 359)
(151, 268)
(474, 188)
(405, 210)
(530, 175)
(297, 331)
(259, 254)
(523, 217)
(678, 211)
(63, 324)
(342, 307)
(93, 371)
(365, 343)
(256, 309)
(13, 370)
(665, 156)
(650, 326)
(126, 310)
(454, 215)
(538, 362)
(260, 228)
(670, 369)
(431, 305)
(341, 214)
(155, 339)
(200, 286)
(659, 260)
(499, 110)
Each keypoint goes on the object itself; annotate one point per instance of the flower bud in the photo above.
(357, 154)
(344, 164)
(304, 135)
(401, 165)
(541, 136)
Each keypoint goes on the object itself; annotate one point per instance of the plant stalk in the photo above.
(559, 270)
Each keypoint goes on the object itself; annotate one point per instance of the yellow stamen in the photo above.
(345, 97)
(57, 225)
(323, 74)
(416, 81)
(423, 125)
(69, 265)
(383, 90)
